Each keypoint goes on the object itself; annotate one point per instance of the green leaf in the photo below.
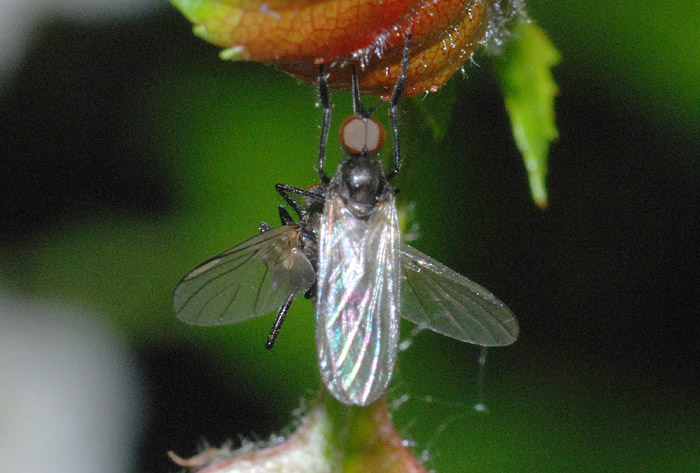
(524, 71)
(212, 20)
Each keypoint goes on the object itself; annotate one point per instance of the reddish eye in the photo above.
(362, 135)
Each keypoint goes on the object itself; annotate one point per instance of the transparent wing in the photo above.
(253, 278)
(434, 296)
(357, 301)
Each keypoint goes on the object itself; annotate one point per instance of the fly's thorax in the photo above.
(361, 183)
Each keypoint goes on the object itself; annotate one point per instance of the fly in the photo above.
(345, 254)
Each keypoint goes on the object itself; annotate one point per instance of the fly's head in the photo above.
(362, 179)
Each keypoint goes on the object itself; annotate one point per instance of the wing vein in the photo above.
(215, 278)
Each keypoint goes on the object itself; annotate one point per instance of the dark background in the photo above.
(130, 153)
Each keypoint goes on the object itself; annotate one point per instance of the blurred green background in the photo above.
(130, 154)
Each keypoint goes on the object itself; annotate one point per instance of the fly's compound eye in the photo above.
(360, 135)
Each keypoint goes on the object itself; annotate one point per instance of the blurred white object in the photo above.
(69, 393)
(19, 17)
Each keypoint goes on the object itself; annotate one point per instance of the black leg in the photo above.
(357, 107)
(285, 190)
(393, 110)
(281, 314)
(311, 292)
(285, 218)
(324, 96)
(264, 227)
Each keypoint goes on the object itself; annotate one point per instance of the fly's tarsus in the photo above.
(277, 325)
(393, 107)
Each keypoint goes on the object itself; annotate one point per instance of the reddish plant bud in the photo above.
(298, 35)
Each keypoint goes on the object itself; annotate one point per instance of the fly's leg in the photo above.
(393, 110)
(285, 218)
(324, 97)
(287, 191)
(311, 292)
(357, 107)
(277, 325)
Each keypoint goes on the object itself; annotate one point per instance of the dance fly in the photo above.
(345, 254)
